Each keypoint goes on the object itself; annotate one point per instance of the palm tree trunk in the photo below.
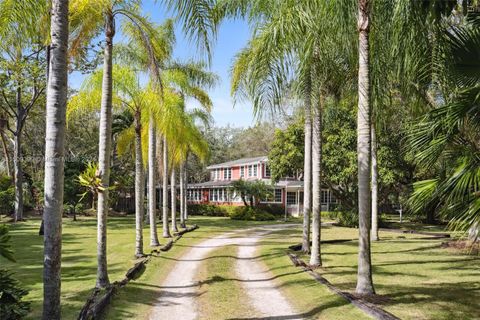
(152, 183)
(166, 230)
(5, 153)
(104, 152)
(364, 273)
(182, 195)
(315, 256)
(173, 193)
(54, 154)
(307, 191)
(185, 179)
(18, 176)
(139, 188)
(374, 231)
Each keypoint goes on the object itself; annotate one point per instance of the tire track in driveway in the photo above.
(179, 290)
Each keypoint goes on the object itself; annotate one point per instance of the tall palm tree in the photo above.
(152, 184)
(280, 61)
(364, 275)
(102, 16)
(127, 94)
(165, 224)
(173, 194)
(307, 172)
(54, 153)
(374, 230)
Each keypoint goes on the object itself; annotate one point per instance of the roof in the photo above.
(226, 183)
(238, 162)
(219, 183)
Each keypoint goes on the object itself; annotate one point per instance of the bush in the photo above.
(251, 213)
(332, 215)
(347, 219)
(350, 219)
(272, 208)
(11, 294)
(11, 304)
(207, 210)
(7, 199)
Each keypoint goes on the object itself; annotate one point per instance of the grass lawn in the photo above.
(79, 261)
(420, 279)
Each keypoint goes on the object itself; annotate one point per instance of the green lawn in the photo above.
(420, 279)
(79, 261)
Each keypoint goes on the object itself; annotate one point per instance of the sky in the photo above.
(232, 37)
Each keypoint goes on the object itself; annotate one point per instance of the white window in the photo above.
(324, 198)
(227, 174)
(250, 170)
(267, 170)
(254, 170)
(242, 171)
(291, 198)
(278, 195)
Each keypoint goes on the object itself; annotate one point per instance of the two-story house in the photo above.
(287, 192)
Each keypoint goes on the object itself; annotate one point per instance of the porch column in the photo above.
(328, 199)
(298, 202)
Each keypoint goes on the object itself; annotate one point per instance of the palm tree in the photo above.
(102, 14)
(128, 95)
(364, 276)
(173, 193)
(54, 153)
(152, 185)
(446, 139)
(307, 174)
(374, 231)
(281, 62)
(166, 229)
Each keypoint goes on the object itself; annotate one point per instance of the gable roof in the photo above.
(238, 162)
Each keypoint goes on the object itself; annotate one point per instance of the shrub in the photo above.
(347, 219)
(7, 199)
(207, 210)
(272, 208)
(11, 294)
(251, 213)
(11, 304)
(332, 215)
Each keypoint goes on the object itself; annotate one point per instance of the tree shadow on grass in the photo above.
(455, 300)
(303, 315)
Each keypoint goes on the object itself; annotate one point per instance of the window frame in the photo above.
(275, 199)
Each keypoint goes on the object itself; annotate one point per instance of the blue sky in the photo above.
(233, 35)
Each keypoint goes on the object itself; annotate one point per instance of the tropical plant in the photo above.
(22, 77)
(446, 138)
(11, 294)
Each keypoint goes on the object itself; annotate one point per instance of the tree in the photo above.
(54, 157)
(286, 158)
(103, 14)
(446, 138)
(23, 75)
(364, 276)
(251, 192)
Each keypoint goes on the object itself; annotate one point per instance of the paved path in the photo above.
(177, 300)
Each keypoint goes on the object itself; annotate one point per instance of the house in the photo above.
(288, 192)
